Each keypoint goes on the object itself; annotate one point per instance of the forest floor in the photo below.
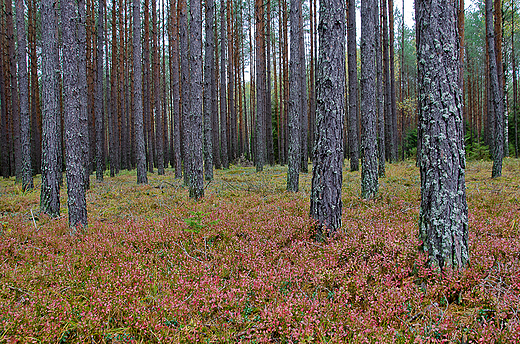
(242, 264)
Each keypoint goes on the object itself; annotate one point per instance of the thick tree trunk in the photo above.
(295, 99)
(496, 95)
(326, 205)
(369, 168)
(27, 181)
(209, 81)
(73, 122)
(443, 218)
(138, 95)
(353, 137)
(50, 192)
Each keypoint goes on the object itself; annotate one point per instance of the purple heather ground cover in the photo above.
(242, 265)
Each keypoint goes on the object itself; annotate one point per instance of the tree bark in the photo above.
(195, 115)
(15, 101)
(159, 135)
(83, 92)
(326, 205)
(50, 192)
(138, 95)
(223, 99)
(496, 95)
(261, 112)
(27, 180)
(209, 80)
(353, 120)
(303, 97)
(73, 122)
(369, 168)
(295, 99)
(99, 93)
(443, 218)
(380, 100)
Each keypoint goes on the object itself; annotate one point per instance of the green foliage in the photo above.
(410, 143)
(194, 222)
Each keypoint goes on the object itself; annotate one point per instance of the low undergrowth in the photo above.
(242, 265)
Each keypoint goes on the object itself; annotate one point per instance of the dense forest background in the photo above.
(235, 46)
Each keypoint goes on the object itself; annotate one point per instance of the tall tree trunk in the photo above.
(268, 105)
(15, 101)
(353, 120)
(176, 91)
(443, 218)
(50, 192)
(82, 88)
(369, 168)
(223, 99)
(36, 118)
(26, 173)
(185, 87)
(159, 139)
(394, 151)
(214, 96)
(381, 152)
(73, 122)
(389, 134)
(138, 100)
(515, 85)
(209, 80)
(99, 93)
(312, 84)
(261, 112)
(295, 99)
(231, 121)
(496, 94)
(147, 86)
(195, 114)
(326, 205)
(303, 97)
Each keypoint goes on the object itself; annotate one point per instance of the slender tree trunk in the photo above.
(15, 101)
(209, 80)
(50, 191)
(176, 93)
(515, 85)
(138, 99)
(369, 168)
(443, 218)
(303, 97)
(83, 96)
(353, 120)
(26, 173)
(195, 115)
(159, 146)
(496, 94)
(36, 118)
(99, 93)
(261, 112)
(312, 83)
(295, 99)
(147, 86)
(223, 99)
(326, 205)
(380, 100)
(268, 105)
(395, 147)
(389, 134)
